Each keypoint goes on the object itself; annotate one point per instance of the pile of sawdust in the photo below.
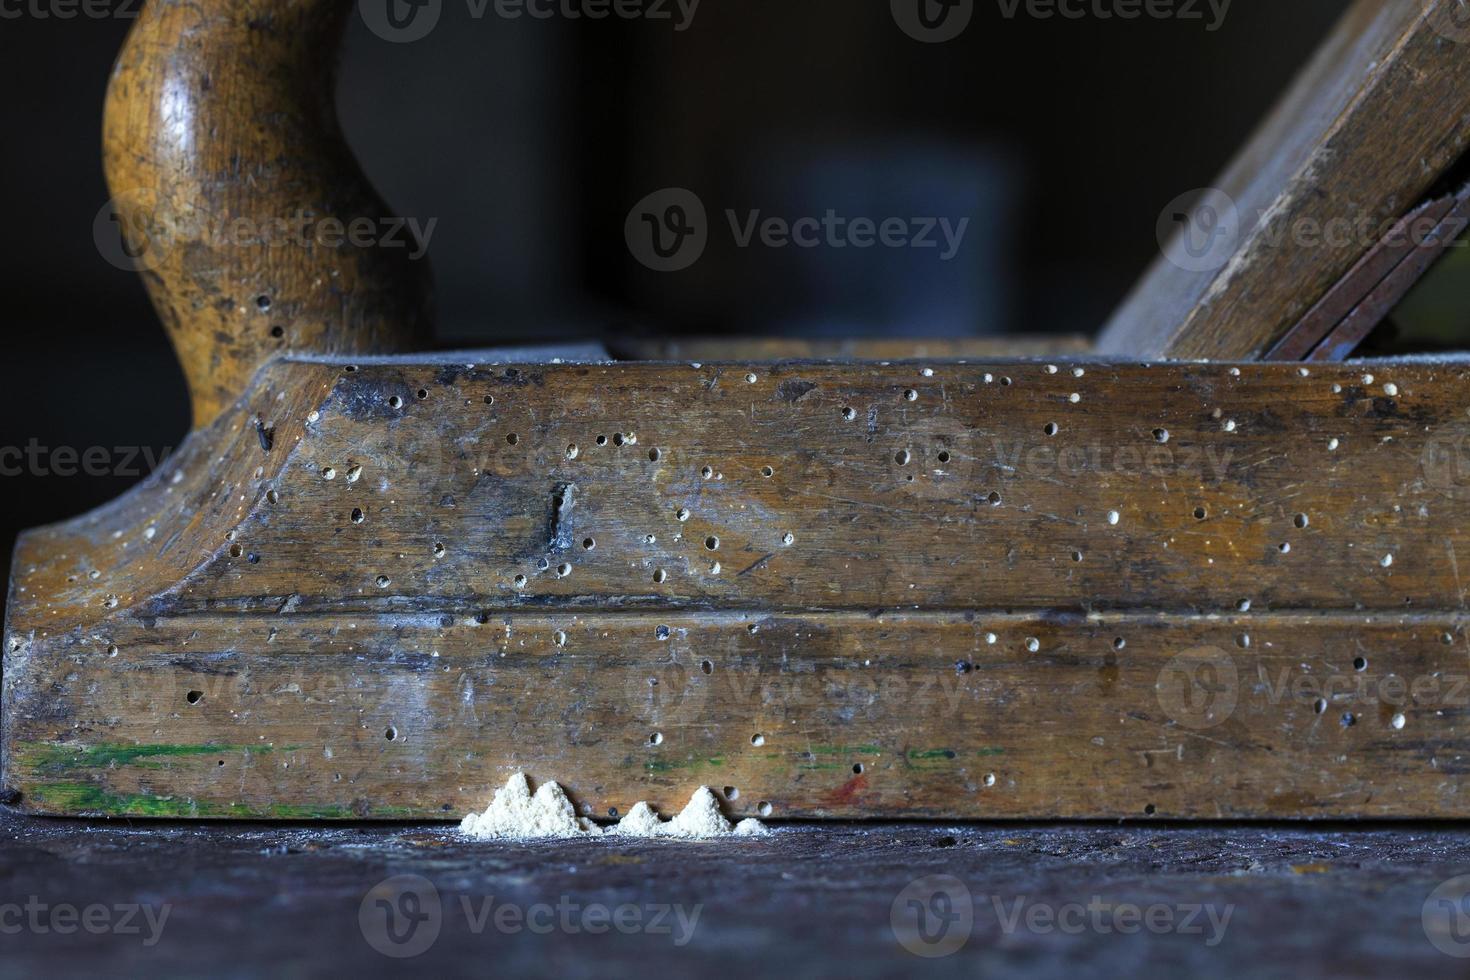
(640, 821)
(700, 820)
(515, 814)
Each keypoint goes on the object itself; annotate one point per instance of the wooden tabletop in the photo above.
(1062, 900)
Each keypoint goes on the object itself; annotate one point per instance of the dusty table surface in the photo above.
(162, 899)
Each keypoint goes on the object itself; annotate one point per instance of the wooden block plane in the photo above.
(841, 591)
(953, 585)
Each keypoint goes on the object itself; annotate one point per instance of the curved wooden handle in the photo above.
(253, 225)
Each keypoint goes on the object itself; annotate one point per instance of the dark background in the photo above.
(530, 140)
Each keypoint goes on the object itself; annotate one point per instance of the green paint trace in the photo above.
(845, 750)
(88, 799)
(672, 765)
(64, 758)
(930, 758)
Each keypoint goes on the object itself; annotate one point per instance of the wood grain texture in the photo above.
(1180, 567)
(255, 230)
(1376, 119)
(830, 715)
(1340, 320)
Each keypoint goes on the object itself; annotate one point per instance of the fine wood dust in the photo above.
(517, 814)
